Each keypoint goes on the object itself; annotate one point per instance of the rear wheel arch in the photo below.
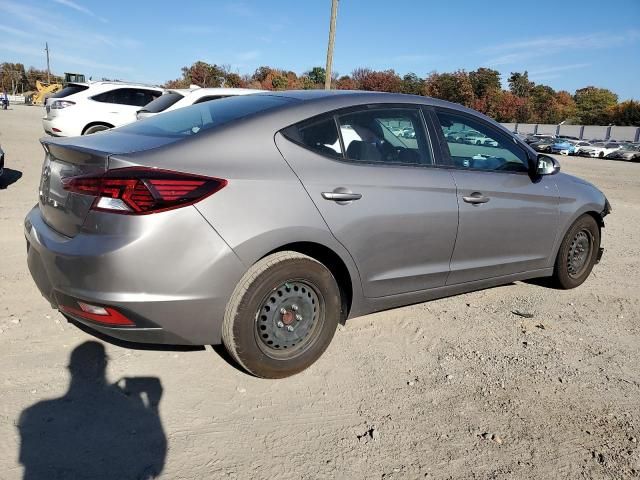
(333, 262)
(96, 124)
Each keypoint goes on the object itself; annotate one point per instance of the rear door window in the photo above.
(163, 102)
(386, 135)
(138, 97)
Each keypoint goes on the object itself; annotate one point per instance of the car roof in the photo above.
(117, 83)
(362, 97)
(201, 92)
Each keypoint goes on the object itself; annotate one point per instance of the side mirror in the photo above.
(546, 165)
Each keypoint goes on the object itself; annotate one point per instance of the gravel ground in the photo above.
(455, 388)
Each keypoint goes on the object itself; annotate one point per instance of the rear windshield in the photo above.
(163, 102)
(188, 121)
(69, 90)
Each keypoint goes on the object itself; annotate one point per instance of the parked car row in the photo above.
(470, 137)
(86, 108)
(565, 145)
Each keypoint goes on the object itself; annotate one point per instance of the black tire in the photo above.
(254, 330)
(601, 155)
(578, 253)
(96, 128)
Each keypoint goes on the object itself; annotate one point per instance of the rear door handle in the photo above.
(341, 196)
(476, 198)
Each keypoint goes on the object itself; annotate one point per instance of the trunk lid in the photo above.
(65, 211)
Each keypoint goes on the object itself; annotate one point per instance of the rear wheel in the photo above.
(578, 253)
(282, 315)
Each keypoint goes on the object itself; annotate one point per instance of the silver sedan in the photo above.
(263, 221)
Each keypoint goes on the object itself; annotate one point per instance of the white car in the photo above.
(480, 139)
(85, 108)
(173, 99)
(599, 149)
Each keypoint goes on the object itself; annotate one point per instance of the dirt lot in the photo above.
(455, 388)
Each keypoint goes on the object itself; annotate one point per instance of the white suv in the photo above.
(178, 98)
(84, 108)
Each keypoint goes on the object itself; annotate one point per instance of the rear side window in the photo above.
(136, 97)
(163, 102)
(69, 90)
(194, 119)
(319, 135)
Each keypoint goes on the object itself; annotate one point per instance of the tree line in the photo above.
(16, 79)
(523, 101)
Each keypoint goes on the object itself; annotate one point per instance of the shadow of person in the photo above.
(96, 430)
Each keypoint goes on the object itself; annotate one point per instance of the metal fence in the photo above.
(583, 132)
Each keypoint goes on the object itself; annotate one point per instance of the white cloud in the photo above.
(517, 51)
(79, 8)
(194, 29)
(560, 68)
(248, 56)
(240, 9)
(34, 51)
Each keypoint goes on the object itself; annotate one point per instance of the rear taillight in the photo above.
(139, 191)
(60, 104)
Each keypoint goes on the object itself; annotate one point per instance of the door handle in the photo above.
(341, 196)
(476, 198)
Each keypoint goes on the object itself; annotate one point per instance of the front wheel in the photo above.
(282, 315)
(578, 253)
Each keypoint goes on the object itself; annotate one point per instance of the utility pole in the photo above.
(46, 49)
(332, 37)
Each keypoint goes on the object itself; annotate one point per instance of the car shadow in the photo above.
(96, 430)
(9, 177)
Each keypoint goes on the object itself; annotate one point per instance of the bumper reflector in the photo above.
(105, 315)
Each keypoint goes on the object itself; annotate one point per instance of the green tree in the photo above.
(625, 113)
(593, 104)
(412, 84)
(542, 99)
(484, 80)
(317, 75)
(519, 84)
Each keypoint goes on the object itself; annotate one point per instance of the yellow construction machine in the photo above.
(44, 89)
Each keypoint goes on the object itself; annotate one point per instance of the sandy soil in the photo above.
(455, 388)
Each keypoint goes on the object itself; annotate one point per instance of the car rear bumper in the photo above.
(56, 128)
(172, 275)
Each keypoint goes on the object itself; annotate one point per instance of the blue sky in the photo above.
(567, 44)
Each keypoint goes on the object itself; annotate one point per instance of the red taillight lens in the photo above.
(105, 315)
(138, 191)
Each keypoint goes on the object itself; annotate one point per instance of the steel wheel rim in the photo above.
(289, 319)
(579, 253)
